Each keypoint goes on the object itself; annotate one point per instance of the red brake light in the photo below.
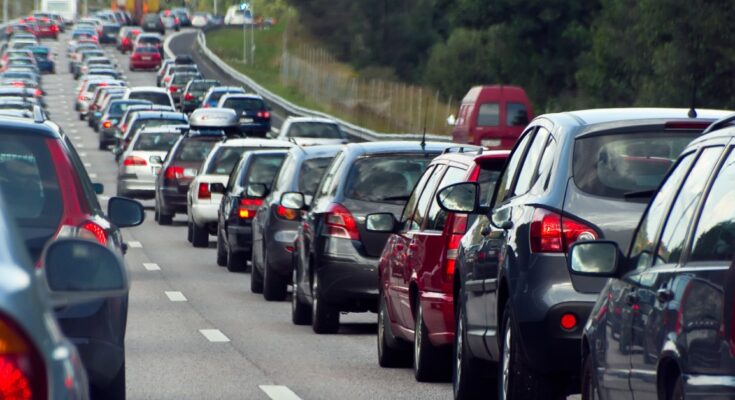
(173, 88)
(39, 92)
(553, 233)
(341, 223)
(22, 372)
(264, 114)
(107, 124)
(286, 213)
(135, 161)
(188, 96)
(92, 231)
(167, 79)
(568, 321)
(126, 41)
(173, 172)
(248, 208)
(687, 125)
(204, 192)
(459, 227)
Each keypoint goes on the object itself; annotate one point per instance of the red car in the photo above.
(416, 268)
(47, 28)
(126, 42)
(145, 58)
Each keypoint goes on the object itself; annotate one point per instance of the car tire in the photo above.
(189, 230)
(471, 377)
(516, 378)
(275, 286)
(324, 317)
(236, 261)
(677, 393)
(165, 219)
(430, 363)
(102, 146)
(590, 389)
(221, 251)
(300, 311)
(392, 352)
(199, 236)
(81, 117)
(256, 280)
(115, 390)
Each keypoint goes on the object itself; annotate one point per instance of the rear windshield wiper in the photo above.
(641, 194)
(389, 198)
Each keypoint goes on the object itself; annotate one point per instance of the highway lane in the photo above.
(217, 340)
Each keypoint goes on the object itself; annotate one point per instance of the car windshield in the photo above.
(195, 150)
(385, 179)
(154, 97)
(244, 104)
(156, 141)
(315, 130)
(618, 164)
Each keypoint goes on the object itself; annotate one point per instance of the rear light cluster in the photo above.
(263, 114)
(135, 161)
(173, 172)
(340, 223)
(22, 372)
(173, 88)
(568, 321)
(248, 208)
(459, 227)
(554, 233)
(107, 124)
(87, 230)
(188, 97)
(204, 192)
(286, 213)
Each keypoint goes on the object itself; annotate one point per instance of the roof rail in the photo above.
(467, 148)
(719, 124)
(38, 115)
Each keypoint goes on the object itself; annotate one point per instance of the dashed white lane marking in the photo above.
(214, 335)
(92, 176)
(80, 145)
(82, 154)
(151, 266)
(277, 392)
(87, 165)
(77, 137)
(103, 198)
(135, 245)
(175, 296)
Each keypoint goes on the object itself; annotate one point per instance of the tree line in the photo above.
(566, 53)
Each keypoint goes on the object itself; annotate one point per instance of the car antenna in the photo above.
(693, 111)
(423, 134)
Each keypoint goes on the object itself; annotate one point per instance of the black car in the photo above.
(663, 326)
(572, 176)
(274, 226)
(179, 169)
(109, 33)
(194, 92)
(249, 182)
(336, 257)
(254, 115)
(153, 23)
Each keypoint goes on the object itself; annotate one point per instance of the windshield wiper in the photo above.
(641, 194)
(389, 198)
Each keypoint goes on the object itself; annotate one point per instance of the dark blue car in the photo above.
(43, 59)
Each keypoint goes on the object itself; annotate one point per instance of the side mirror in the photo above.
(451, 120)
(293, 200)
(463, 197)
(98, 188)
(594, 258)
(156, 160)
(79, 270)
(380, 222)
(124, 212)
(258, 190)
(217, 188)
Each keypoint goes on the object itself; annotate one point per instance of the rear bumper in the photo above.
(137, 187)
(46, 66)
(240, 237)
(348, 281)
(107, 135)
(280, 245)
(438, 311)
(204, 213)
(173, 201)
(145, 64)
(709, 386)
(255, 128)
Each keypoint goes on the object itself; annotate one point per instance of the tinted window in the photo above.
(194, 150)
(201, 87)
(150, 50)
(180, 79)
(488, 115)
(543, 172)
(331, 172)
(153, 97)
(311, 174)
(714, 239)
(516, 114)
(119, 107)
(263, 169)
(510, 170)
(225, 159)
(152, 123)
(156, 141)
(314, 130)
(244, 104)
(417, 219)
(414, 198)
(384, 179)
(682, 211)
(149, 40)
(488, 177)
(438, 217)
(616, 164)
(529, 169)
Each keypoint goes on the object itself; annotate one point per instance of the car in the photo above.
(136, 177)
(98, 97)
(111, 115)
(572, 176)
(307, 131)
(211, 98)
(178, 82)
(109, 32)
(78, 58)
(148, 119)
(336, 258)
(274, 227)
(102, 70)
(183, 15)
(162, 70)
(416, 303)
(30, 94)
(181, 165)
(237, 16)
(53, 198)
(16, 104)
(44, 59)
(85, 94)
(152, 23)
(170, 20)
(21, 75)
(254, 115)
(47, 28)
(149, 40)
(246, 187)
(194, 92)
(153, 94)
(201, 203)
(99, 62)
(126, 39)
(171, 69)
(145, 57)
(129, 113)
(201, 19)
(663, 323)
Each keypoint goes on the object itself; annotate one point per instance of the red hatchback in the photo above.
(47, 28)
(416, 270)
(145, 58)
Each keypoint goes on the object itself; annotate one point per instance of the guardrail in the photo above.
(294, 110)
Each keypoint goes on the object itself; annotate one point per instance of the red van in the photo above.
(416, 268)
(492, 116)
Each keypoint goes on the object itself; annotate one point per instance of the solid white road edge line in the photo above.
(214, 335)
(277, 392)
(175, 296)
(151, 266)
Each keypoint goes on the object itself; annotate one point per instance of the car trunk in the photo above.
(372, 242)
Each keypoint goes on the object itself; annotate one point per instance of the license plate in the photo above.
(190, 172)
(145, 58)
(246, 120)
(490, 142)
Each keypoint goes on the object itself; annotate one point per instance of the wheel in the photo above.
(392, 353)
(102, 145)
(274, 286)
(188, 231)
(677, 393)
(81, 117)
(199, 236)
(256, 280)
(471, 378)
(300, 311)
(516, 378)
(115, 390)
(430, 364)
(589, 380)
(221, 251)
(236, 261)
(163, 218)
(132, 69)
(324, 317)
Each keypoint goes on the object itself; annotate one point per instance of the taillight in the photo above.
(340, 223)
(166, 79)
(22, 372)
(107, 124)
(263, 114)
(126, 41)
(39, 92)
(92, 231)
(172, 88)
(204, 192)
(248, 208)
(173, 172)
(458, 229)
(568, 321)
(554, 233)
(135, 161)
(82, 97)
(188, 97)
(54, 28)
(286, 213)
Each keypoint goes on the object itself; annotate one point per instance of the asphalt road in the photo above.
(196, 332)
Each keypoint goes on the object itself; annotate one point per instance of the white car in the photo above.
(153, 94)
(87, 90)
(137, 172)
(202, 205)
(201, 20)
(237, 16)
(309, 131)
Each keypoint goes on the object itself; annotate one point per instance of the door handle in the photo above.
(631, 299)
(664, 295)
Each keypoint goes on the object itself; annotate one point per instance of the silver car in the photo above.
(309, 131)
(140, 163)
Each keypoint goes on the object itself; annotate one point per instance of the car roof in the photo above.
(10, 124)
(242, 95)
(621, 115)
(318, 150)
(226, 88)
(164, 129)
(470, 154)
(310, 119)
(159, 114)
(396, 147)
(238, 142)
(138, 89)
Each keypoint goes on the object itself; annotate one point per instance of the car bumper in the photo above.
(240, 237)
(189, 106)
(46, 66)
(145, 64)
(280, 246)
(255, 127)
(172, 200)
(709, 386)
(438, 311)
(107, 135)
(203, 213)
(347, 279)
(137, 187)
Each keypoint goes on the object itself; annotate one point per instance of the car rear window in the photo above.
(311, 174)
(195, 150)
(156, 141)
(225, 159)
(153, 97)
(263, 169)
(152, 123)
(618, 164)
(146, 50)
(315, 130)
(201, 87)
(149, 40)
(183, 78)
(244, 104)
(385, 179)
(119, 107)
(488, 115)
